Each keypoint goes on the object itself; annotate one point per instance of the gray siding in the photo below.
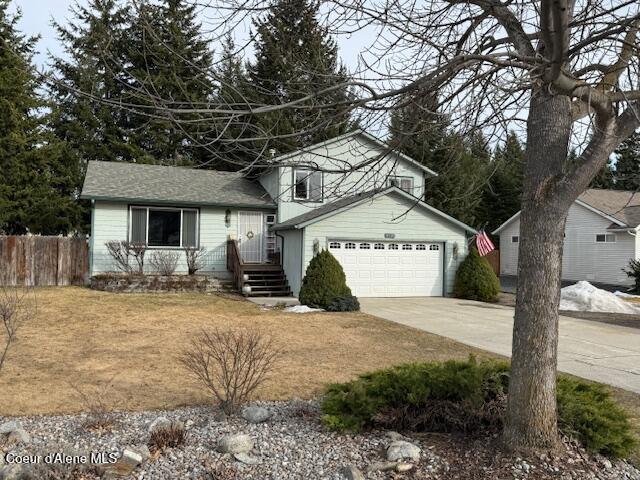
(292, 258)
(341, 155)
(583, 258)
(372, 219)
(111, 221)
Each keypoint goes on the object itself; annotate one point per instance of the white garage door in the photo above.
(388, 269)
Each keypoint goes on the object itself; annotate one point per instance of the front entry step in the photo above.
(266, 281)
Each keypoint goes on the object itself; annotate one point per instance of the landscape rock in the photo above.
(351, 472)
(11, 472)
(394, 436)
(403, 467)
(235, 443)
(256, 414)
(8, 427)
(246, 458)
(120, 469)
(400, 450)
(131, 456)
(160, 422)
(382, 466)
(142, 450)
(18, 436)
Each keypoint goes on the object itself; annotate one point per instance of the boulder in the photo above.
(400, 450)
(256, 414)
(403, 467)
(235, 443)
(131, 456)
(350, 472)
(141, 450)
(382, 466)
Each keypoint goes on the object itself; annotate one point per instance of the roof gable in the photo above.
(333, 208)
(383, 149)
(133, 182)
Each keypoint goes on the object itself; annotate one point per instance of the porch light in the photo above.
(227, 218)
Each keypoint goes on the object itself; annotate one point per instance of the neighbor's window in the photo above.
(606, 238)
(403, 183)
(164, 227)
(308, 185)
(515, 239)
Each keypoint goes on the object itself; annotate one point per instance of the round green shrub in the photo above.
(324, 281)
(476, 280)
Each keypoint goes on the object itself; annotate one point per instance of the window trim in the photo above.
(401, 177)
(308, 181)
(605, 235)
(153, 207)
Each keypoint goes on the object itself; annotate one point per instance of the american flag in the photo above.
(484, 243)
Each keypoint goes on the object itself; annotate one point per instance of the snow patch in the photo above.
(302, 309)
(618, 293)
(584, 297)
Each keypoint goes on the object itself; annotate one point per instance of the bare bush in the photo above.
(231, 364)
(95, 404)
(221, 471)
(170, 436)
(18, 305)
(195, 258)
(164, 262)
(121, 251)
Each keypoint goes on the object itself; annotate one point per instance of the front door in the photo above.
(250, 232)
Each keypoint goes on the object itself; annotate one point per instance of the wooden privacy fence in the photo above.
(494, 260)
(43, 261)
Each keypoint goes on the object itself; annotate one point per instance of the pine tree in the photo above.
(295, 57)
(502, 192)
(170, 61)
(88, 74)
(605, 177)
(627, 174)
(421, 132)
(37, 181)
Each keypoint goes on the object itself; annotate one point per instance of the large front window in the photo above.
(307, 185)
(164, 227)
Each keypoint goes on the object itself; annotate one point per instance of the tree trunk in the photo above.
(531, 422)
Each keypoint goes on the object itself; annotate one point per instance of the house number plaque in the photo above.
(389, 235)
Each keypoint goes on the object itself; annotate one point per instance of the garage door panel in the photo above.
(412, 269)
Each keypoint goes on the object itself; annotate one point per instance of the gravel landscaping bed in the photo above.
(292, 444)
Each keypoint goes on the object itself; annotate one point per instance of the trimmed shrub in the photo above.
(633, 271)
(323, 282)
(346, 303)
(475, 279)
(467, 396)
(587, 413)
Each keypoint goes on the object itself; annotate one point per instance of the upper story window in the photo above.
(164, 227)
(403, 183)
(606, 238)
(515, 239)
(307, 185)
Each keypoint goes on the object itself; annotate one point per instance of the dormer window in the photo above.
(307, 185)
(403, 183)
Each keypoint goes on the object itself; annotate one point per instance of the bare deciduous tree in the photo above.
(231, 364)
(567, 70)
(195, 258)
(164, 262)
(18, 305)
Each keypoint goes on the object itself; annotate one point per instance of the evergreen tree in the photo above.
(171, 61)
(419, 131)
(89, 73)
(605, 178)
(37, 181)
(295, 57)
(627, 174)
(502, 192)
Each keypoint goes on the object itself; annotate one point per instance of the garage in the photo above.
(391, 269)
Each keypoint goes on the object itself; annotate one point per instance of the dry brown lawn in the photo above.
(82, 338)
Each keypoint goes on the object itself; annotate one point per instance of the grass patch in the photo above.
(91, 337)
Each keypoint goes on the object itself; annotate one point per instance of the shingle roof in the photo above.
(324, 209)
(176, 185)
(622, 205)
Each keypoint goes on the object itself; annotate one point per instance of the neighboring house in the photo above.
(371, 218)
(600, 238)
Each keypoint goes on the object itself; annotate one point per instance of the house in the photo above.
(352, 195)
(600, 238)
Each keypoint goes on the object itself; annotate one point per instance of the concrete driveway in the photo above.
(596, 351)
